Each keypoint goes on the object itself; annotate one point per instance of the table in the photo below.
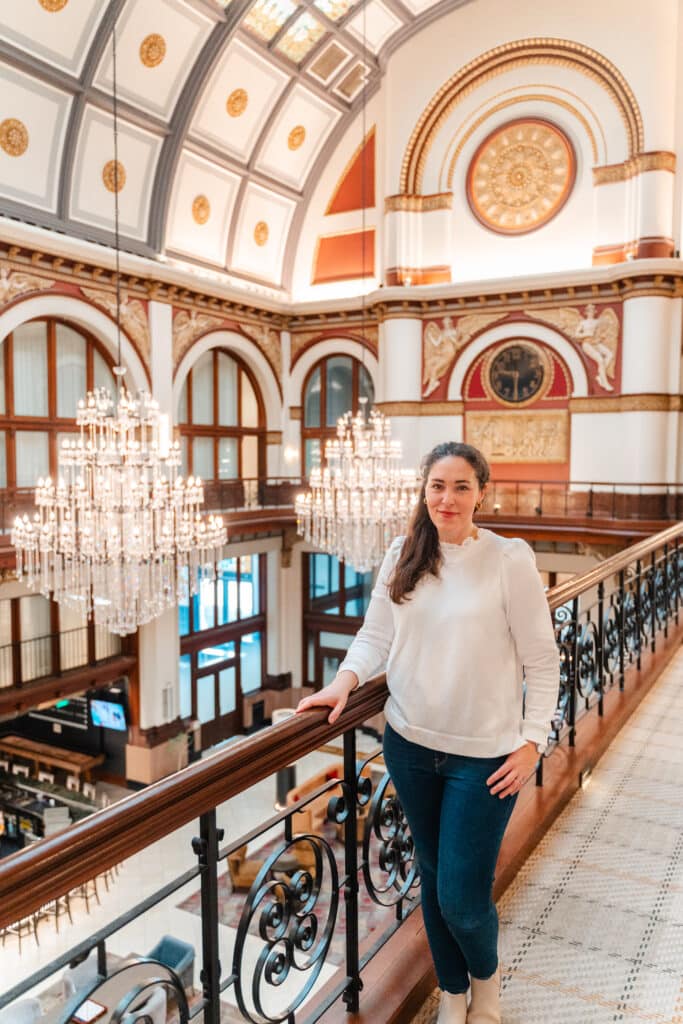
(53, 757)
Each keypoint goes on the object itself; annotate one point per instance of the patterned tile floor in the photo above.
(592, 927)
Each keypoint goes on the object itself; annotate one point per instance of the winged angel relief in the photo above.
(441, 345)
(598, 336)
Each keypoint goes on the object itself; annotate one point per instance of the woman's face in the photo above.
(452, 490)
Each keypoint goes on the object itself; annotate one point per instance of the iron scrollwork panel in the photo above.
(295, 930)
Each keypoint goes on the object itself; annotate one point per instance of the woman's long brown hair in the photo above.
(421, 552)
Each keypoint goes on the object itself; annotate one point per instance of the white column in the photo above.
(651, 345)
(159, 641)
(289, 453)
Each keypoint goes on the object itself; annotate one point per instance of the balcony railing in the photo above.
(550, 498)
(54, 653)
(286, 924)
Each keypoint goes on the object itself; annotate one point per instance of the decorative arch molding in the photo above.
(343, 346)
(507, 331)
(497, 61)
(301, 343)
(85, 315)
(252, 356)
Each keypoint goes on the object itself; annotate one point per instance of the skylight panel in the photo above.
(267, 16)
(335, 9)
(301, 37)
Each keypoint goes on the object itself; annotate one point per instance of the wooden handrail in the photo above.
(55, 865)
(564, 592)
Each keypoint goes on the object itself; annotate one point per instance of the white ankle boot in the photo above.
(453, 1008)
(485, 1000)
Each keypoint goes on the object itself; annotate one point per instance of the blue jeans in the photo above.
(457, 828)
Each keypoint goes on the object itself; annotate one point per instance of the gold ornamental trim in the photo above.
(513, 101)
(201, 209)
(296, 137)
(657, 160)
(418, 204)
(295, 412)
(261, 233)
(273, 437)
(114, 175)
(628, 403)
(152, 50)
(14, 136)
(236, 102)
(453, 408)
(53, 5)
(520, 53)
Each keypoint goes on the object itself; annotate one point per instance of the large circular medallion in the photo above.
(518, 373)
(521, 176)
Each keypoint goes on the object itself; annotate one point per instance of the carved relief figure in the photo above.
(187, 327)
(598, 336)
(133, 316)
(14, 282)
(441, 345)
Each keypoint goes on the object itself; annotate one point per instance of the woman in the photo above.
(455, 614)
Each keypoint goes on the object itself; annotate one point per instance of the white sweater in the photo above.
(454, 650)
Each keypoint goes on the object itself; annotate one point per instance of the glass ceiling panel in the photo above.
(301, 37)
(335, 9)
(267, 16)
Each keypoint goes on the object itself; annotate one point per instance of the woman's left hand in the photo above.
(514, 771)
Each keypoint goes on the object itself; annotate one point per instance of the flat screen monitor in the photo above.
(108, 714)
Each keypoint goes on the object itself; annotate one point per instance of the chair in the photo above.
(151, 1011)
(21, 928)
(177, 955)
(73, 783)
(243, 870)
(4, 766)
(46, 777)
(20, 769)
(27, 1011)
(81, 977)
(56, 908)
(87, 891)
(89, 791)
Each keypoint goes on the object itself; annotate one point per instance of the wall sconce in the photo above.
(496, 507)
(407, 280)
(291, 454)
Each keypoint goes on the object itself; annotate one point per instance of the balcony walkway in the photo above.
(592, 926)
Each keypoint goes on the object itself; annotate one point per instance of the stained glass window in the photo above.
(301, 37)
(335, 9)
(267, 16)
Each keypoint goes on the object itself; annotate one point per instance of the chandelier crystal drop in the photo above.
(120, 535)
(362, 498)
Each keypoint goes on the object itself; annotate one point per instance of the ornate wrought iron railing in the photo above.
(281, 965)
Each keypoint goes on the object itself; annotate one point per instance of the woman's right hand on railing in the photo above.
(335, 695)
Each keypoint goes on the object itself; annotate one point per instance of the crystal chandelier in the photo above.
(119, 535)
(361, 498)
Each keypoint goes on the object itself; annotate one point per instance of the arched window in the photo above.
(46, 367)
(332, 387)
(222, 420)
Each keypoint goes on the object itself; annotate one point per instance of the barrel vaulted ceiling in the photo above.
(227, 113)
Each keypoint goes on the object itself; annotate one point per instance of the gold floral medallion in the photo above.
(201, 209)
(114, 175)
(13, 136)
(521, 176)
(152, 50)
(53, 5)
(236, 102)
(296, 137)
(261, 233)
